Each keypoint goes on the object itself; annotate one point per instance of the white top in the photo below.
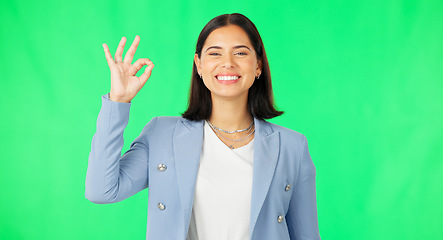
(222, 200)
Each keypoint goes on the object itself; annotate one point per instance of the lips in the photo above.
(227, 78)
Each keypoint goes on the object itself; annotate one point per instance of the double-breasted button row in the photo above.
(161, 167)
(280, 219)
(287, 187)
(161, 206)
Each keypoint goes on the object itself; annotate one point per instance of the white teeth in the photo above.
(227, 78)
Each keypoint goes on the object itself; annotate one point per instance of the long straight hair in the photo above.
(260, 94)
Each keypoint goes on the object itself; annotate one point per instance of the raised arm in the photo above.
(111, 177)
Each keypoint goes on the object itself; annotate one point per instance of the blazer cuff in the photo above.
(108, 99)
(120, 109)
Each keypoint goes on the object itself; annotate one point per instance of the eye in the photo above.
(214, 54)
(242, 53)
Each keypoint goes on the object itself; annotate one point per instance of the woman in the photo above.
(220, 171)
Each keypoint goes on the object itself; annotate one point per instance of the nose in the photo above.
(227, 61)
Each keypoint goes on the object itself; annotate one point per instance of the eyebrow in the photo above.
(236, 47)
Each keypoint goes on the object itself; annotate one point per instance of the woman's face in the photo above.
(228, 63)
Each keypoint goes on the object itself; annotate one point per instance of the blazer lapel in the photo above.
(187, 145)
(266, 150)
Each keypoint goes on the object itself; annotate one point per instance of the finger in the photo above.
(107, 54)
(119, 52)
(131, 51)
(139, 64)
(145, 76)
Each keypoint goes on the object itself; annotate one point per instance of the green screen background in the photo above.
(361, 79)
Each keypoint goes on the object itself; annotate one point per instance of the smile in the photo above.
(227, 78)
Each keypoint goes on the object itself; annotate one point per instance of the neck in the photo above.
(230, 114)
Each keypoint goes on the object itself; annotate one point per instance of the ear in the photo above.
(197, 62)
(259, 68)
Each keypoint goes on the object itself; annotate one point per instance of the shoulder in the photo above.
(163, 128)
(287, 136)
(284, 131)
(166, 121)
(163, 124)
(160, 125)
(167, 124)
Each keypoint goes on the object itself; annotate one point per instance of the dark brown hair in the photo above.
(260, 95)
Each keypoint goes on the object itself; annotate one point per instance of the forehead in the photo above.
(228, 36)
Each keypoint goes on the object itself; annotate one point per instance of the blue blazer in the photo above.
(165, 158)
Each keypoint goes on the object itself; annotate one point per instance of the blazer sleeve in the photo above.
(112, 177)
(302, 213)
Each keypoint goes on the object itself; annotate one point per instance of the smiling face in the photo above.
(228, 63)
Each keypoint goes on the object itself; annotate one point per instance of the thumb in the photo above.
(147, 73)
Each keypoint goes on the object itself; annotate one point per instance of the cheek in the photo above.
(208, 83)
(208, 66)
(250, 67)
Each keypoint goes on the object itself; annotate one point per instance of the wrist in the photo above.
(119, 99)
